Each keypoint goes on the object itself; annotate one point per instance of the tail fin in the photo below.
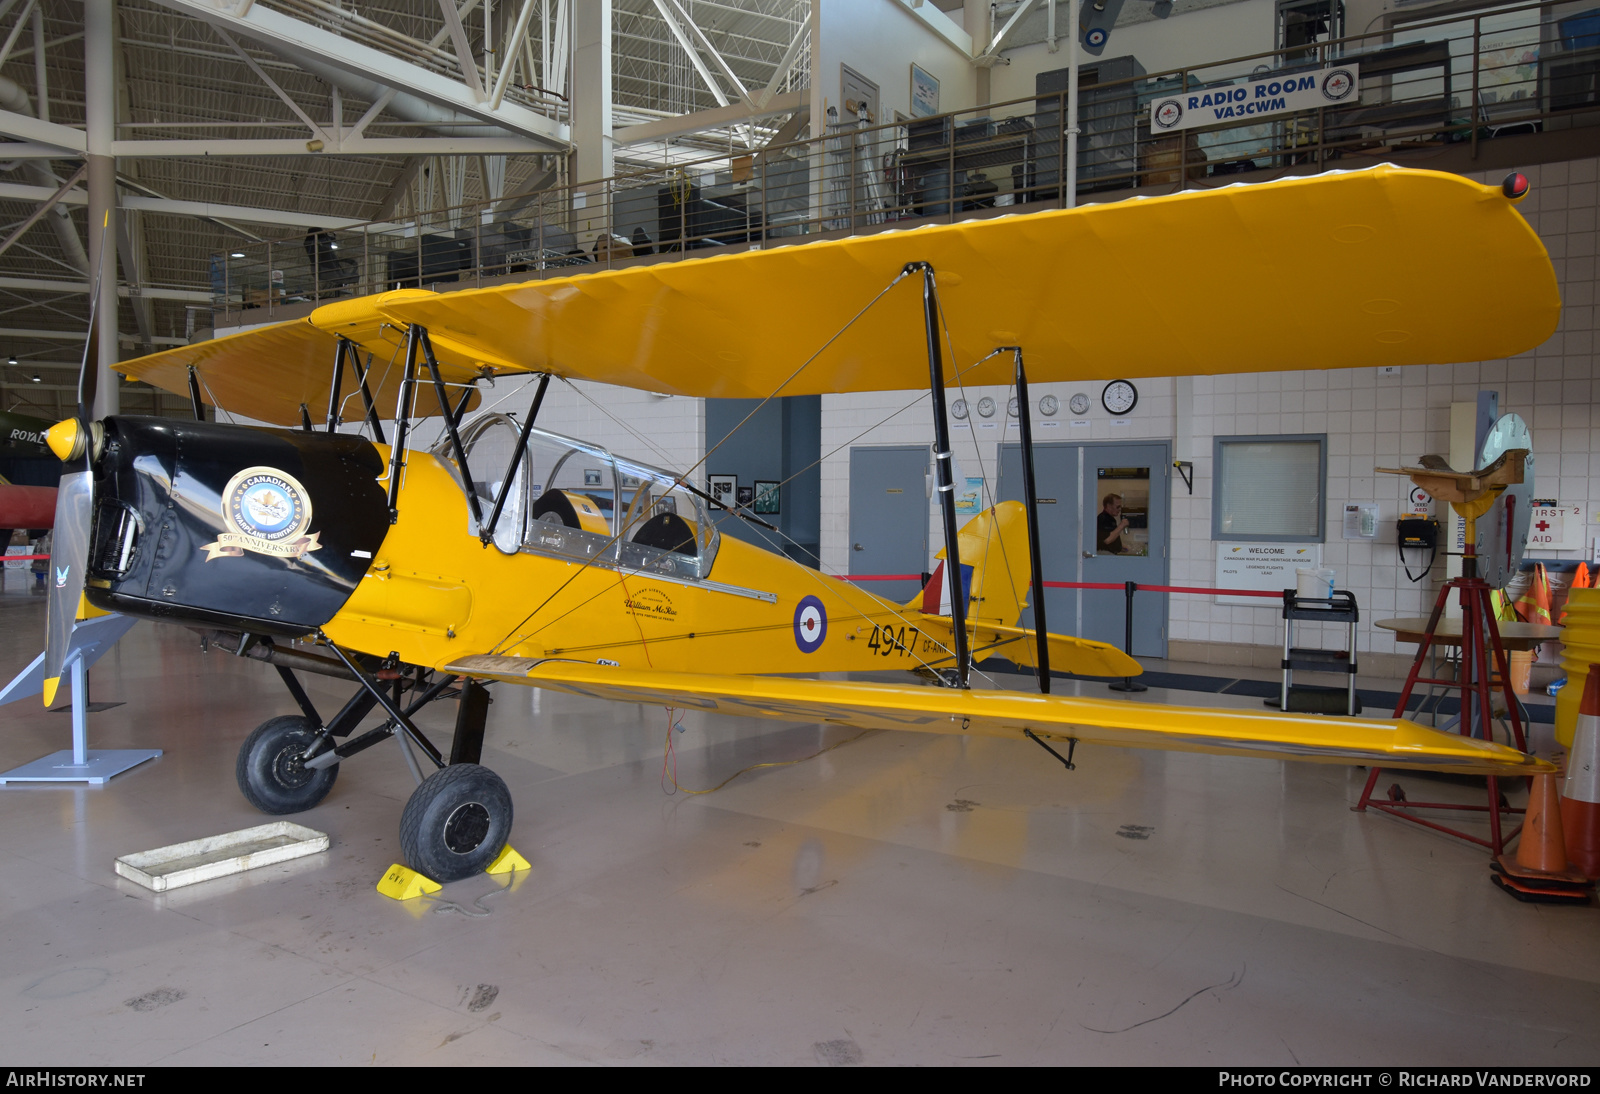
(994, 568)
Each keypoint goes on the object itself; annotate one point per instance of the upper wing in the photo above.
(269, 372)
(1420, 267)
(1384, 742)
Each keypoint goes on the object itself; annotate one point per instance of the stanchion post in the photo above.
(1128, 589)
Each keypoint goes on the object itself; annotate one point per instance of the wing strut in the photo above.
(1031, 495)
(450, 423)
(366, 392)
(194, 396)
(486, 533)
(947, 482)
(402, 422)
(337, 384)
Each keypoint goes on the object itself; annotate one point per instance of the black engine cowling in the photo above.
(264, 529)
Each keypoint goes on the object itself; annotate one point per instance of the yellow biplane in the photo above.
(508, 553)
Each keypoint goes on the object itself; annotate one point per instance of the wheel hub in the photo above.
(466, 828)
(288, 769)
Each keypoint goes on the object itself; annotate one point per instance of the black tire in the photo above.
(269, 771)
(456, 822)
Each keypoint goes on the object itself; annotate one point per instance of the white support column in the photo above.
(594, 151)
(100, 114)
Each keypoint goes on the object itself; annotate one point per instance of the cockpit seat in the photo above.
(667, 532)
(571, 510)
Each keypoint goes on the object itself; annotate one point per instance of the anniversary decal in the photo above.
(266, 511)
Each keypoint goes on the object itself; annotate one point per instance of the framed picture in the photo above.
(591, 476)
(767, 496)
(924, 92)
(745, 495)
(724, 489)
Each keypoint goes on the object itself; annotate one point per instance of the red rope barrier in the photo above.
(1160, 588)
(21, 558)
(1089, 585)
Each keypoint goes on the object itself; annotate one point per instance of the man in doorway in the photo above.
(1110, 526)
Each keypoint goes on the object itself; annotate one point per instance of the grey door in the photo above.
(1056, 466)
(1137, 473)
(1075, 482)
(889, 516)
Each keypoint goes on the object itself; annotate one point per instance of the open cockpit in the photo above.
(574, 500)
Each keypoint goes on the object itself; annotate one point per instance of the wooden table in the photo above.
(1513, 636)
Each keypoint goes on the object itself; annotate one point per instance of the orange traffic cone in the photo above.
(1539, 873)
(1580, 797)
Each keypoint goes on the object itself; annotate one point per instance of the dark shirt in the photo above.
(1107, 538)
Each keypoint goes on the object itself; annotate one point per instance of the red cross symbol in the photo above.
(1542, 526)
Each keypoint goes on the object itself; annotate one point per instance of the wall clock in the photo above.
(1119, 397)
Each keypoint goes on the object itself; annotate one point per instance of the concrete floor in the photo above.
(903, 899)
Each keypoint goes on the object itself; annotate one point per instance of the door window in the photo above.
(1122, 511)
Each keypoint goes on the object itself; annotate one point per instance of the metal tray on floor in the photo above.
(218, 856)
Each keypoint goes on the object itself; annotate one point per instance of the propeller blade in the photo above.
(89, 372)
(69, 554)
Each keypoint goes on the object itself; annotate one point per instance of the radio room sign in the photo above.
(1268, 95)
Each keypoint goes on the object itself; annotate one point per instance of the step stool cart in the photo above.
(1340, 607)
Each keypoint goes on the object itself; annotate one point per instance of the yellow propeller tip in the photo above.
(50, 686)
(65, 439)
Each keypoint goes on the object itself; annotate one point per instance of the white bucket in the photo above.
(1314, 583)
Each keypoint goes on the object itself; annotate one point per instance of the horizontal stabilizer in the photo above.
(1387, 743)
(1019, 645)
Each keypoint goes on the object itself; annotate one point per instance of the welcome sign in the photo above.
(1276, 94)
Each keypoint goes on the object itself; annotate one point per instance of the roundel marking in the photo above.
(1096, 37)
(810, 624)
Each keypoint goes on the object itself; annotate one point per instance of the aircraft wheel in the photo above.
(269, 770)
(456, 822)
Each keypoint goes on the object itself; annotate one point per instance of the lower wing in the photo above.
(1394, 743)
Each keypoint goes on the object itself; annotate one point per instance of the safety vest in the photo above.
(1534, 605)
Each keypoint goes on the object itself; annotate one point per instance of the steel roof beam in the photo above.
(731, 114)
(292, 218)
(81, 288)
(293, 38)
(365, 146)
(71, 141)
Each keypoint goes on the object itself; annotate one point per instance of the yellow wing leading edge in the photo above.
(1390, 743)
(1423, 267)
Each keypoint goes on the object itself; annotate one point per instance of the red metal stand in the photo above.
(1473, 681)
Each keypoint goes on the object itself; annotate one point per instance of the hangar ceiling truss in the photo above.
(238, 120)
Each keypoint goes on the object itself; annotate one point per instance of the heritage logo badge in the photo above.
(267, 511)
